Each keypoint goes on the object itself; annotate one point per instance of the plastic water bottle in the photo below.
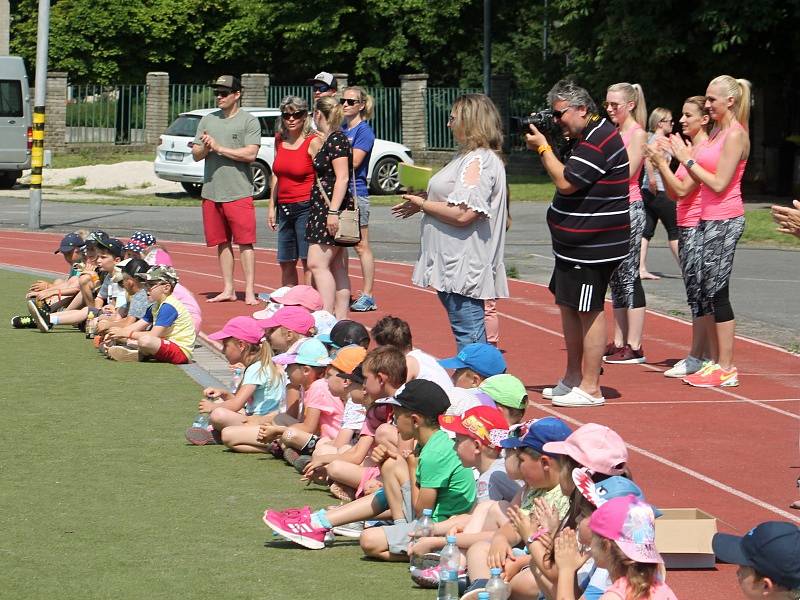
(449, 565)
(423, 528)
(496, 587)
(483, 595)
(236, 379)
(201, 421)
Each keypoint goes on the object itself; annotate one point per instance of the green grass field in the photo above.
(102, 498)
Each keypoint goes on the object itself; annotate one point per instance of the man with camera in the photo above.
(589, 227)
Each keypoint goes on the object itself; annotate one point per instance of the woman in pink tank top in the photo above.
(718, 167)
(695, 124)
(626, 107)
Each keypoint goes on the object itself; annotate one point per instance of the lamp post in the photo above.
(37, 152)
(487, 47)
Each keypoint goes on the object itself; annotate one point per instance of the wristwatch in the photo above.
(690, 163)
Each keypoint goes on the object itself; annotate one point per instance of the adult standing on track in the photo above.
(719, 167)
(291, 185)
(626, 108)
(358, 107)
(228, 140)
(589, 223)
(464, 220)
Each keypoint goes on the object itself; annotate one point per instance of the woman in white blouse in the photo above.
(464, 220)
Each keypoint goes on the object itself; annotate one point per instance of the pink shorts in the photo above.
(225, 222)
(170, 352)
(367, 475)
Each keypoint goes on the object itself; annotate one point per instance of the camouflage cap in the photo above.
(159, 273)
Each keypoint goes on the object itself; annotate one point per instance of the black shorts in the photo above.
(581, 286)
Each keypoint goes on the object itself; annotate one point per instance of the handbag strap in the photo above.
(352, 178)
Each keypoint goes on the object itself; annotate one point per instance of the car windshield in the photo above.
(185, 125)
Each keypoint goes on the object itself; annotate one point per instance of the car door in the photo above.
(13, 130)
(267, 150)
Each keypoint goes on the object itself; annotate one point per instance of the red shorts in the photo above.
(170, 352)
(225, 222)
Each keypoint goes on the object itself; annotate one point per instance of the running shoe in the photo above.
(23, 322)
(200, 436)
(626, 356)
(577, 397)
(713, 376)
(685, 366)
(297, 527)
(611, 348)
(350, 530)
(429, 578)
(364, 304)
(301, 462)
(560, 389)
(123, 354)
(40, 316)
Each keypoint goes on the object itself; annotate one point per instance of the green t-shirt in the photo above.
(439, 467)
(227, 179)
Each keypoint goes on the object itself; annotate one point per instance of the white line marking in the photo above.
(715, 401)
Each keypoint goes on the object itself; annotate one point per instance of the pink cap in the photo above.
(594, 446)
(631, 525)
(300, 295)
(295, 318)
(246, 329)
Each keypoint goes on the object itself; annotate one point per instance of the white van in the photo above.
(16, 133)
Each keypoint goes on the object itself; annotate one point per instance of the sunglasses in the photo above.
(349, 101)
(221, 94)
(560, 113)
(613, 105)
(322, 87)
(286, 116)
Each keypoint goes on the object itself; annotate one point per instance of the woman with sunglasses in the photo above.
(464, 220)
(330, 195)
(358, 107)
(290, 187)
(626, 108)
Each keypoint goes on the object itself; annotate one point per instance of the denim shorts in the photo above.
(292, 219)
(363, 210)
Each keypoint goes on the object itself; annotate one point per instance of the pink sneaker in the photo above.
(429, 578)
(295, 525)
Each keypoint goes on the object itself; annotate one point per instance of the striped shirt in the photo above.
(592, 224)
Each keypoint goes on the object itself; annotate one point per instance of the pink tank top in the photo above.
(688, 205)
(728, 203)
(634, 191)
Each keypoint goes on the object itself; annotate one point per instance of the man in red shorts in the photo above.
(228, 140)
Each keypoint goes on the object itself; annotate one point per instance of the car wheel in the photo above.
(261, 176)
(193, 189)
(385, 176)
(8, 180)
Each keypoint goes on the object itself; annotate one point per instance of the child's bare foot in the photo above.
(648, 275)
(343, 492)
(251, 300)
(223, 297)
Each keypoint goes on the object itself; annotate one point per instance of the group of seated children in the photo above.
(125, 296)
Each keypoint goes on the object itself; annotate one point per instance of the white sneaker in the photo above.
(350, 530)
(685, 367)
(577, 397)
(561, 389)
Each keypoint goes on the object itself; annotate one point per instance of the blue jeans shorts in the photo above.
(292, 219)
(363, 211)
(466, 318)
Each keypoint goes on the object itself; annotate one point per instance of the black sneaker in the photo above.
(23, 322)
(39, 316)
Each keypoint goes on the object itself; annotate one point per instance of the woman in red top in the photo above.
(292, 180)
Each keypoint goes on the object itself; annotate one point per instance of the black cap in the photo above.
(421, 396)
(357, 376)
(346, 333)
(771, 548)
(230, 82)
(113, 245)
(135, 266)
(70, 242)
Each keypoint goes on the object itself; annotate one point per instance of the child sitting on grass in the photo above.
(259, 393)
(136, 304)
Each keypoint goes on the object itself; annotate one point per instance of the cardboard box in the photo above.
(683, 537)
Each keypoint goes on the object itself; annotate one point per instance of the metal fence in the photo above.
(438, 102)
(184, 97)
(106, 114)
(521, 104)
(276, 93)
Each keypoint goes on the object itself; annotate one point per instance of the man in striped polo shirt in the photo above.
(589, 225)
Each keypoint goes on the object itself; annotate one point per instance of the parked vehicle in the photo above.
(174, 160)
(16, 132)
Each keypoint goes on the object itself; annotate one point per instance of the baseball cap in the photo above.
(144, 238)
(70, 242)
(272, 307)
(309, 351)
(771, 548)
(159, 273)
(134, 246)
(538, 433)
(630, 523)
(130, 267)
(227, 81)
(594, 446)
(482, 423)
(113, 245)
(484, 359)
(294, 318)
(505, 389)
(242, 328)
(96, 236)
(421, 396)
(323, 322)
(299, 295)
(348, 358)
(600, 492)
(345, 333)
(357, 376)
(324, 77)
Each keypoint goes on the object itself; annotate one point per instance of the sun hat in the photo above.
(143, 238)
(299, 295)
(294, 318)
(536, 434)
(348, 358)
(482, 423)
(323, 322)
(630, 523)
(272, 306)
(242, 328)
(594, 446)
(309, 351)
(505, 389)
(484, 359)
(600, 492)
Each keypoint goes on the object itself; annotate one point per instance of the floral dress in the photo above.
(336, 146)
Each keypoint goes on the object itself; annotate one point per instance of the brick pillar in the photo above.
(341, 81)
(501, 96)
(157, 112)
(412, 111)
(55, 106)
(254, 89)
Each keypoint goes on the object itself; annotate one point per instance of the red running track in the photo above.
(728, 451)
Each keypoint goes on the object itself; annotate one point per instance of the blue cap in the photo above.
(484, 359)
(771, 548)
(70, 242)
(600, 492)
(539, 433)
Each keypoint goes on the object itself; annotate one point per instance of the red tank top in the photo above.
(294, 170)
(728, 203)
(634, 191)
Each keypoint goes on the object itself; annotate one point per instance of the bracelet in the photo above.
(334, 212)
(535, 536)
(544, 148)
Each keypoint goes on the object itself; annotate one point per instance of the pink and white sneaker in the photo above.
(295, 525)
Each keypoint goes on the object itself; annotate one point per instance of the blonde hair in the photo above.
(658, 115)
(699, 102)
(633, 92)
(739, 90)
(267, 366)
(332, 110)
(369, 102)
(477, 120)
(641, 576)
(297, 104)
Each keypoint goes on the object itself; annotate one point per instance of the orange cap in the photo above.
(348, 358)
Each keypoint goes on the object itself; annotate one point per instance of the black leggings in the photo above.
(659, 207)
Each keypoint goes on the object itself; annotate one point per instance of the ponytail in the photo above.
(633, 93)
(363, 96)
(740, 91)
(267, 366)
(332, 110)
